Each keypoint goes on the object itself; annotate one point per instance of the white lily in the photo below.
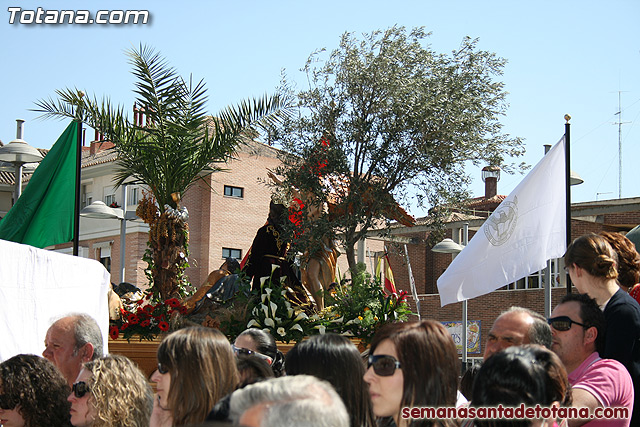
(281, 331)
(269, 322)
(252, 322)
(262, 280)
(321, 329)
(274, 307)
(300, 316)
(340, 320)
(268, 292)
(265, 309)
(297, 327)
(274, 267)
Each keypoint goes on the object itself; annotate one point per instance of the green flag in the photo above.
(43, 214)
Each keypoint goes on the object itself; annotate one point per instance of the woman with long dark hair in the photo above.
(337, 360)
(412, 364)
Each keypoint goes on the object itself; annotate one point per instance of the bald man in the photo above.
(72, 341)
(517, 326)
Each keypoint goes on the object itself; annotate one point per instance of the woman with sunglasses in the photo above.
(591, 263)
(260, 343)
(335, 359)
(412, 364)
(111, 391)
(33, 393)
(196, 368)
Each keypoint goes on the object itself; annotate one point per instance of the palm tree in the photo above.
(169, 151)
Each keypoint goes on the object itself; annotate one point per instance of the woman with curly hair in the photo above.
(111, 391)
(412, 364)
(196, 368)
(33, 393)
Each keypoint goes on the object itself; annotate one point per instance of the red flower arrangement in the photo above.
(145, 319)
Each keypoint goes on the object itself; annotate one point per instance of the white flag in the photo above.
(526, 230)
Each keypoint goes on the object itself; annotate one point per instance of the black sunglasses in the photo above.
(80, 389)
(162, 369)
(563, 323)
(383, 365)
(246, 352)
(7, 402)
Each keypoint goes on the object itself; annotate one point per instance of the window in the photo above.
(231, 253)
(133, 195)
(233, 191)
(537, 279)
(86, 196)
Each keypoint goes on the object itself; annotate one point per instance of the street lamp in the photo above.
(99, 210)
(448, 246)
(18, 152)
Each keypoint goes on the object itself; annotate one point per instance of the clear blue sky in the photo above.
(564, 57)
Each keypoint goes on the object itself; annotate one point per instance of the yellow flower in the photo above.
(359, 317)
(375, 318)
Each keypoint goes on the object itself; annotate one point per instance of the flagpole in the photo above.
(567, 162)
(76, 214)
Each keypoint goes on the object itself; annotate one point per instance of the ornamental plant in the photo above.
(270, 309)
(358, 307)
(145, 319)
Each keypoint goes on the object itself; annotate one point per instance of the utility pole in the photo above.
(620, 123)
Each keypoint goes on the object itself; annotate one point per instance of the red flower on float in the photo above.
(114, 332)
(172, 302)
(164, 326)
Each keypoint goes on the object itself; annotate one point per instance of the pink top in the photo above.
(609, 382)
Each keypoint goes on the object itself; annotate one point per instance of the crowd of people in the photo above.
(585, 357)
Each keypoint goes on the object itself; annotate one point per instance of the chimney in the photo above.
(94, 147)
(490, 176)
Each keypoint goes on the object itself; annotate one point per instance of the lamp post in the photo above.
(98, 210)
(448, 246)
(18, 152)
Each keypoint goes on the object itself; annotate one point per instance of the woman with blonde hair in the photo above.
(196, 368)
(111, 391)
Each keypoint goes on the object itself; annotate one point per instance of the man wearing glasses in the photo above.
(577, 326)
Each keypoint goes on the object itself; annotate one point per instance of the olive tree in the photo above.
(385, 116)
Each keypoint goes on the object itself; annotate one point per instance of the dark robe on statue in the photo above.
(269, 248)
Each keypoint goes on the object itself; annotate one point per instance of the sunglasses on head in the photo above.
(80, 389)
(7, 402)
(246, 352)
(563, 323)
(383, 365)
